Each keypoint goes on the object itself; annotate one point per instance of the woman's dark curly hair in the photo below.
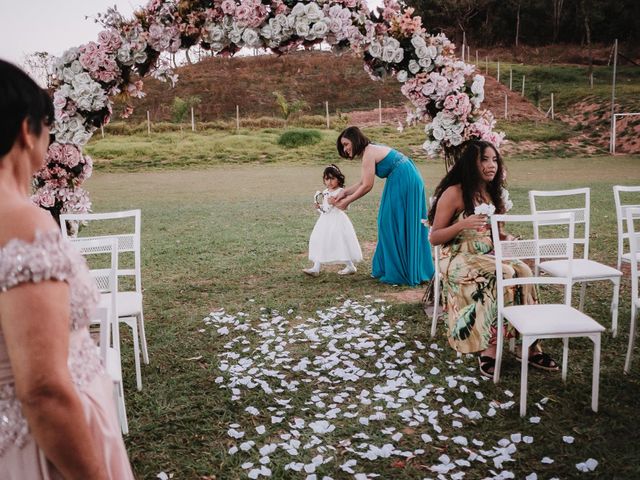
(332, 171)
(465, 173)
(358, 140)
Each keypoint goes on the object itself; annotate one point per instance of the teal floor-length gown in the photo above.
(403, 253)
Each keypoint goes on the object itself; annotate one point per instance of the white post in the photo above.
(510, 78)
(464, 43)
(193, 121)
(238, 118)
(613, 133)
(498, 75)
(102, 130)
(591, 80)
(148, 123)
(506, 106)
(553, 117)
(380, 111)
(326, 109)
(523, 85)
(613, 95)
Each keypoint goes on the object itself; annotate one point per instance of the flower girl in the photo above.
(333, 239)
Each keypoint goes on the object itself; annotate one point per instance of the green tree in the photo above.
(288, 108)
(182, 106)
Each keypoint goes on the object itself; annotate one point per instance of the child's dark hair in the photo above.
(332, 171)
(465, 173)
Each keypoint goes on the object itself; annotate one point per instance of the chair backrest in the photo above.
(560, 247)
(581, 213)
(633, 234)
(126, 242)
(107, 282)
(621, 213)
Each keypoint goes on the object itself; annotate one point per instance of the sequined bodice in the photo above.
(385, 167)
(47, 257)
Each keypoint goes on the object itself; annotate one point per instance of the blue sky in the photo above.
(29, 26)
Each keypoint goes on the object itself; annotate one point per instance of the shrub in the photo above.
(299, 137)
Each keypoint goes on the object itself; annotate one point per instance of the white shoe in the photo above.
(311, 272)
(348, 270)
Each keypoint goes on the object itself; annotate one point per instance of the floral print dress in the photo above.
(469, 289)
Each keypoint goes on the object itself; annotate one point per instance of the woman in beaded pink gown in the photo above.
(57, 411)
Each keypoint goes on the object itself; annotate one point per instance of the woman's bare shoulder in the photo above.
(22, 220)
(452, 193)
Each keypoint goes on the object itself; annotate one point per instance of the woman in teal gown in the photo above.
(403, 253)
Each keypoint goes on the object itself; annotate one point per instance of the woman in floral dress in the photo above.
(476, 183)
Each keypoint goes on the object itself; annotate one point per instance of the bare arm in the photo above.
(365, 184)
(442, 230)
(35, 322)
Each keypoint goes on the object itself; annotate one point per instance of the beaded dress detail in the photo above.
(50, 257)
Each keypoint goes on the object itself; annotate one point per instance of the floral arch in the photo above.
(446, 92)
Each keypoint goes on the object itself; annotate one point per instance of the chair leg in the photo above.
(136, 353)
(632, 337)
(120, 407)
(436, 303)
(499, 347)
(596, 371)
(583, 290)
(565, 358)
(614, 306)
(143, 338)
(524, 371)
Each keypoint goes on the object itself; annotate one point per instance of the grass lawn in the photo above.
(234, 237)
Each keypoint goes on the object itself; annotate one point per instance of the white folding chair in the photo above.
(633, 235)
(621, 209)
(534, 322)
(130, 310)
(105, 315)
(584, 270)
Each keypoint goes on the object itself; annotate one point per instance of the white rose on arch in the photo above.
(375, 49)
(402, 76)
(251, 38)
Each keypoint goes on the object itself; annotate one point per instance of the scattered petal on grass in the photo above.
(568, 439)
(534, 420)
(547, 460)
(588, 466)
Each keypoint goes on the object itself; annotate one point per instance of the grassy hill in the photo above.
(249, 82)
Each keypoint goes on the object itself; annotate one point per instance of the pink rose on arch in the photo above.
(54, 154)
(72, 156)
(228, 7)
(450, 102)
(109, 40)
(45, 198)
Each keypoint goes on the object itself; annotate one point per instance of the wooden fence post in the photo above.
(326, 108)
(148, 123)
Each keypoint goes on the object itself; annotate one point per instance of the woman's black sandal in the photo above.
(486, 365)
(543, 361)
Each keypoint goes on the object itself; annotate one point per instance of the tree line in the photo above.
(532, 22)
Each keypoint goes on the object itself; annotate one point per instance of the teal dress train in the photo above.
(403, 253)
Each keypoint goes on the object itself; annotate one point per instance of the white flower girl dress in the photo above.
(333, 239)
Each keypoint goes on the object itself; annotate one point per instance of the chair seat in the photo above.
(626, 257)
(552, 319)
(581, 269)
(129, 303)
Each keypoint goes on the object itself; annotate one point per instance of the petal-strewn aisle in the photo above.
(333, 395)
